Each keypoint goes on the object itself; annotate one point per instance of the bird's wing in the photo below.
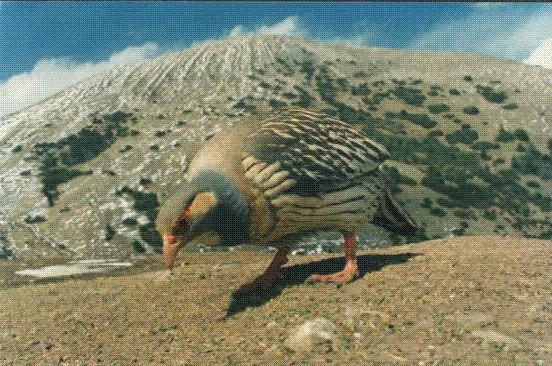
(302, 150)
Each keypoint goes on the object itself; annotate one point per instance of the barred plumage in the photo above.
(314, 148)
(272, 181)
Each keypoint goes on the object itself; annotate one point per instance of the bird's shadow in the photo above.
(299, 273)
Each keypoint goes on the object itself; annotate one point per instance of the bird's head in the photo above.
(209, 209)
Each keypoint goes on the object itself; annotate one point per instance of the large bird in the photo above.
(273, 181)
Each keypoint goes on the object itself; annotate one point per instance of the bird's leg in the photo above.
(350, 272)
(270, 275)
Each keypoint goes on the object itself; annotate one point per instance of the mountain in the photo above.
(82, 173)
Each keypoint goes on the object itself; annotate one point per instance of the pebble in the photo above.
(313, 333)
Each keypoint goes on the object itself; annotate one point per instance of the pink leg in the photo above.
(350, 272)
(270, 275)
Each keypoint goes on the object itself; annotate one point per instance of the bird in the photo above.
(272, 181)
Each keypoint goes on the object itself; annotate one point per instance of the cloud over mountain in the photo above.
(51, 75)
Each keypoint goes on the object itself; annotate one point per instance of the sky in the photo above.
(47, 46)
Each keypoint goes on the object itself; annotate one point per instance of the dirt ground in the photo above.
(461, 301)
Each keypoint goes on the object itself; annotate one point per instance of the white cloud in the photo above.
(294, 26)
(290, 26)
(507, 33)
(50, 76)
(542, 55)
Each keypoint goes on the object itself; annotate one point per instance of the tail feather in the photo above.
(392, 216)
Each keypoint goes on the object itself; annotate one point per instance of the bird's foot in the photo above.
(264, 282)
(349, 273)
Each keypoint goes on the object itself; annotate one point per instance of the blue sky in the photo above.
(41, 40)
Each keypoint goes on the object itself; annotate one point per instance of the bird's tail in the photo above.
(392, 216)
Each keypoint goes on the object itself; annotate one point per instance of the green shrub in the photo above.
(17, 149)
(489, 215)
(498, 161)
(505, 136)
(439, 212)
(305, 99)
(130, 221)
(533, 184)
(521, 135)
(445, 202)
(241, 104)
(138, 247)
(433, 93)
(435, 133)
(35, 219)
(109, 232)
(308, 68)
(454, 91)
(485, 145)
(511, 106)
(52, 177)
(361, 89)
(274, 103)
(491, 95)
(532, 161)
(409, 95)
(471, 110)
(464, 135)
(420, 119)
(263, 84)
(438, 108)
(393, 177)
(468, 78)
(427, 202)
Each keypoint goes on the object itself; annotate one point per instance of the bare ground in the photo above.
(461, 301)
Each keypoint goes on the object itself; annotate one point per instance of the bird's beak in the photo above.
(171, 246)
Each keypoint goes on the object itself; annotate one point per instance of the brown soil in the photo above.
(469, 300)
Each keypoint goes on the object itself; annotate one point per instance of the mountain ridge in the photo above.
(140, 123)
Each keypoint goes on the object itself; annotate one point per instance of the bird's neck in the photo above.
(232, 216)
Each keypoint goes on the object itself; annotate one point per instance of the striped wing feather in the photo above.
(301, 150)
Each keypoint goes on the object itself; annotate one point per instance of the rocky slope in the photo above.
(459, 301)
(83, 172)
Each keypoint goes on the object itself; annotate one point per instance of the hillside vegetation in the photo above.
(84, 172)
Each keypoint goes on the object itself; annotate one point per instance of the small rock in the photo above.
(313, 333)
